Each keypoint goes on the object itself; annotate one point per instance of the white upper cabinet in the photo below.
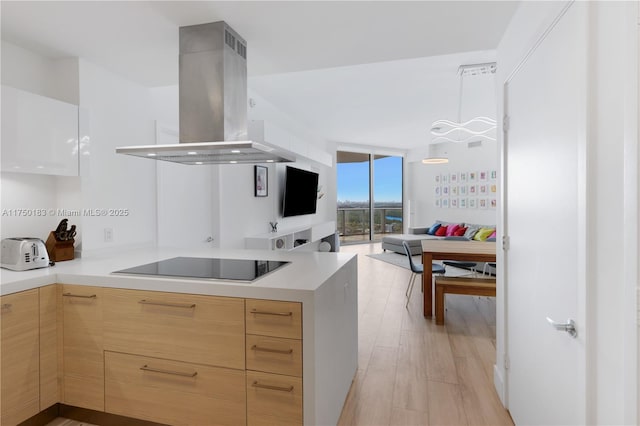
(39, 134)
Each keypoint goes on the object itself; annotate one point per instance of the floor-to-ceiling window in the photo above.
(369, 192)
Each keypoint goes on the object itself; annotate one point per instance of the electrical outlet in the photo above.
(108, 235)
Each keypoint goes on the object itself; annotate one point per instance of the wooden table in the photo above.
(468, 251)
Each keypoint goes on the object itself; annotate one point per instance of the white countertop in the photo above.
(294, 281)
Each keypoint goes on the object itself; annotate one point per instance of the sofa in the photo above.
(438, 230)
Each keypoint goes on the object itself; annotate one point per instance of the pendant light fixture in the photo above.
(433, 158)
(477, 128)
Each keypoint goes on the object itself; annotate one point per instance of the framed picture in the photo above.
(473, 176)
(472, 203)
(438, 202)
(493, 175)
(454, 190)
(463, 177)
(437, 178)
(482, 175)
(494, 188)
(445, 191)
(482, 203)
(444, 178)
(463, 190)
(438, 191)
(445, 203)
(261, 184)
(494, 203)
(462, 203)
(453, 178)
(482, 189)
(454, 203)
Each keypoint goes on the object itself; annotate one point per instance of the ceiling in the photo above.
(306, 57)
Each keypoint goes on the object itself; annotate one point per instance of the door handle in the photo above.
(569, 326)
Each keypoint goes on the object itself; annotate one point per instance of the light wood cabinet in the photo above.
(274, 318)
(273, 399)
(173, 392)
(200, 329)
(274, 355)
(274, 362)
(83, 346)
(50, 350)
(19, 357)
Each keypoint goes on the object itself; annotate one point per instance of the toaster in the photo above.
(21, 254)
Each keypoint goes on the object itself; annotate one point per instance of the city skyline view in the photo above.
(353, 181)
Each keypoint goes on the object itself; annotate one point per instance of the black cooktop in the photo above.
(207, 268)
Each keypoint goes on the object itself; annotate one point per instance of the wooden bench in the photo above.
(474, 286)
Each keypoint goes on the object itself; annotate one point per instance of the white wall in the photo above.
(421, 185)
(119, 114)
(612, 178)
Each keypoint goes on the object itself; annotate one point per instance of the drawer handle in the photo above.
(172, 305)
(173, 373)
(81, 296)
(276, 388)
(277, 351)
(282, 314)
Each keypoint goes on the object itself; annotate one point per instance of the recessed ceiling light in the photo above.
(198, 163)
(269, 161)
(192, 153)
(235, 151)
(151, 154)
(233, 162)
(39, 167)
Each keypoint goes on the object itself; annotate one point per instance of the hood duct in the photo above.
(213, 103)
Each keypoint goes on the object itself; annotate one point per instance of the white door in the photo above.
(185, 200)
(545, 222)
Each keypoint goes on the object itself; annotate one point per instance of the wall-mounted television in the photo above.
(300, 192)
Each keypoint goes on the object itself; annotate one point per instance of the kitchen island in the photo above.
(322, 285)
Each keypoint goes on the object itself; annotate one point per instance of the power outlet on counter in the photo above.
(108, 235)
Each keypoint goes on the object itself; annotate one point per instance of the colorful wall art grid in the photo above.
(466, 190)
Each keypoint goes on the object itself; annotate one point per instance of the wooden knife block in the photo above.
(59, 250)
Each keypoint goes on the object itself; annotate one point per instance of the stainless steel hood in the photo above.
(213, 103)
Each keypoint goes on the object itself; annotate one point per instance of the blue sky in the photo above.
(353, 180)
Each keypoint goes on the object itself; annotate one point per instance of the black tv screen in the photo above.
(300, 192)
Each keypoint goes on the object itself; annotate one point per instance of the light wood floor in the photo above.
(411, 371)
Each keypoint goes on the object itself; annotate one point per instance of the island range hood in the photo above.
(213, 103)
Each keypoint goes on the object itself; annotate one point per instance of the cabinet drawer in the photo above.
(173, 392)
(274, 355)
(83, 359)
(273, 318)
(19, 392)
(183, 327)
(273, 399)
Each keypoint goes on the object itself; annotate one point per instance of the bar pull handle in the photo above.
(277, 351)
(255, 384)
(173, 373)
(169, 304)
(282, 314)
(81, 296)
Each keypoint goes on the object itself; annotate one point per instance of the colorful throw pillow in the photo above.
(442, 231)
(460, 232)
(493, 235)
(483, 234)
(432, 230)
(451, 229)
(471, 231)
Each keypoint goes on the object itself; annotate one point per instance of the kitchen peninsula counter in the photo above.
(324, 283)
